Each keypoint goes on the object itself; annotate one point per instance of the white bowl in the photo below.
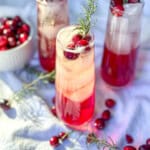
(17, 57)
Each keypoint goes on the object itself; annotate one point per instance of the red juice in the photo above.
(75, 113)
(118, 69)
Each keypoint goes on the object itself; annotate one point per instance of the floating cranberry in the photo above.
(54, 141)
(144, 147)
(71, 55)
(63, 135)
(11, 42)
(25, 28)
(129, 138)
(117, 10)
(53, 110)
(129, 147)
(148, 141)
(23, 37)
(99, 123)
(76, 38)
(106, 114)
(110, 103)
(82, 42)
(3, 41)
(87, 38)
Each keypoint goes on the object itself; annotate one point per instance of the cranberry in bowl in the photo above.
(15, 39)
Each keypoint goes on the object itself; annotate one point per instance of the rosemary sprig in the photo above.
(101, 143)
(30, 87)
(85, 22)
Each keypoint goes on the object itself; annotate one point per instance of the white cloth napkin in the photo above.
(30, 124)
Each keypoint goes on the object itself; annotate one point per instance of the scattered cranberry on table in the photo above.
(54, 141)
(129, 147)
(106, 114)
(110, 103)
(99, 123)
(129, 139)
(13, 32)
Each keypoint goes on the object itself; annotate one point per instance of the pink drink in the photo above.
(52, 16)
(121, 45)
(75, 80)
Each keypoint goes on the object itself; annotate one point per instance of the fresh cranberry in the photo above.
(23, 37)
(110, 103)
(117, 10)
(129, 138)
(53, 110)
(133, 1)
(99, 123)
(148, 141)
(87, 49)
(129, 147)
(9, 23)
(54, 141)
(144, 147)
(82, 42)
(87, 38)
(3, 48)
(25, 28)
(76, 38)
(18, 20)
(71, 55)
(3, 41)
(5, 105)
(63, 135)
(11, 42)
(106, 114)
(7, 32)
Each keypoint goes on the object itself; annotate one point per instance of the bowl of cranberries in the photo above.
(15, 42)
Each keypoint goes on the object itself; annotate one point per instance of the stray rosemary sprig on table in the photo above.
(30, 87)
(101, 143)
(85, 22)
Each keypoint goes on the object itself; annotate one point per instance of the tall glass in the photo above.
(75, 78)
(52, 16)
(121, 44)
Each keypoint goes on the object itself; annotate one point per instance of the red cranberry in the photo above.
(71, 55)
(99, 123)
(87, 49)
(106, 114)
(23, 37)
(133, 1)
(3, 48)
(144, 147)
(129, 138)
(129, 147)
(63, 135)
(117, 10)
(82, 42)
(9, 23)
(25, 28)
(53, 110)
(18, 20)
(5, 105)
(3, 41)
(87, 38)
(148, 141)
(76, 38)
(54, 141)
(110, 103)
(7, 32)
(11, 42)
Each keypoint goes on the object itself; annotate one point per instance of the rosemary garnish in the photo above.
(30, 87)
(85, 22)
(101, 143)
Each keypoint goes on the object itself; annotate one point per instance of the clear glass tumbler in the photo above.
(121, 44)
(52, 16)
(75, 77)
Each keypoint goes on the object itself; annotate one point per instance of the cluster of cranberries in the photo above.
(118, 9)
(56, 140)
(77, 41)
(13, 32)
(105, 116)
(141, 147)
